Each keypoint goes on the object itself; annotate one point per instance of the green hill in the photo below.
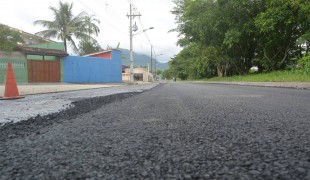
(140, 60)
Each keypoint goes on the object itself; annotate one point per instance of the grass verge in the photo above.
(277, 76)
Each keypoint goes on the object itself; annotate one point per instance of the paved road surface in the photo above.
(174, 131)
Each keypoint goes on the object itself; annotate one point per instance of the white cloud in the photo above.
(114, 24)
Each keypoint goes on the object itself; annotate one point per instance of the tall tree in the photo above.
(87, 46)
(227, 26)
(90, 23)
(65, 26)
(280, 26)
(9, 39)
(271, 34)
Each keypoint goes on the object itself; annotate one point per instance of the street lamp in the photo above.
(131, 50)
(140, 32)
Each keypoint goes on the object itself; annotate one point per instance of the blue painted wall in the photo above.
(93, 70)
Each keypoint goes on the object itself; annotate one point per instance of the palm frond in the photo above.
(81, 35)
(44, 23)
(48, 33)
(67, 27)
(72, 44)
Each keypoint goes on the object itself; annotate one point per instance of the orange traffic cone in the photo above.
(11, 91)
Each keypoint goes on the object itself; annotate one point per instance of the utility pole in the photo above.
(155, 64)
(151, 59)
(155, 68)
(131, 16)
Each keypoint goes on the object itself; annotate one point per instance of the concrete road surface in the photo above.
(13, 111)
(173, 131)
(26, 89)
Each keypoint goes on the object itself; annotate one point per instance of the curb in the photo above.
(294, 85)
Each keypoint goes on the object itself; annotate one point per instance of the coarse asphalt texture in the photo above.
(173, 131)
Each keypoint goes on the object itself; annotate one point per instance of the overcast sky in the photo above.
(114, 24)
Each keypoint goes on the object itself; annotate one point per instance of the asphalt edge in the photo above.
(33, 125)
(61, 91)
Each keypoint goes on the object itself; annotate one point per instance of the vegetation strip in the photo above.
(226, 38)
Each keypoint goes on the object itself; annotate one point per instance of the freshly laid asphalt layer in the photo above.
(173, 131)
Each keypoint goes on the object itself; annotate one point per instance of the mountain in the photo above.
(140, 60)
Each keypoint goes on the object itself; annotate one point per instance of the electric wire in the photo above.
(135, 11)
(83, 4)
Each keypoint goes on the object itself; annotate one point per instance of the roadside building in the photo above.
(34, 63)
(101, 67)
(40, 60)
(140, 74)
(107, 54)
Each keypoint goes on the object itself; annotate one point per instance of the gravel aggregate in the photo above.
(173, 131)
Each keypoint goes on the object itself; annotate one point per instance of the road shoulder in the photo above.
(49, 103)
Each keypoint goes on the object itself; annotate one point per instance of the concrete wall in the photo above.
(93, 70)
(12, 55)
(19, 64)
(147, 77)
(20, 69)
(126, 77)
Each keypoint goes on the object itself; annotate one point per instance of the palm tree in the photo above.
(90, 23)
(65, 26)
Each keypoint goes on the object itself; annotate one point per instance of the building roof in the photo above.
(42, 51)
(104, 51)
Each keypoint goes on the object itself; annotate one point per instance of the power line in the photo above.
(147, 37)
(135, 10)
(101, 17)
(140, 22)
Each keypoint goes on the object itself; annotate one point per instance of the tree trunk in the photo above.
(65, 44)
(219, 71)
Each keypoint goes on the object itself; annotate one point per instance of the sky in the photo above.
(114, 26)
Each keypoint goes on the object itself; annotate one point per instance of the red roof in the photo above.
(101, 52)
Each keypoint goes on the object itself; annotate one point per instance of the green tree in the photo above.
(65, 26)
(280, 26)
(232, 36)
(88, 46)
(168, 74)
(9, 39)
(227, 27)
(194, 62)
(90, 23)
(159, 72)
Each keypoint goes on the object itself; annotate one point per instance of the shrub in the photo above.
(304, 63)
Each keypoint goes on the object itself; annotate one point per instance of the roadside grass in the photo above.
(277, 76)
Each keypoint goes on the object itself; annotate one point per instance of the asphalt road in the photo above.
(174, 131)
